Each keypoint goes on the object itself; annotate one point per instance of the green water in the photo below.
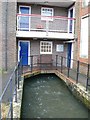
(46, 96)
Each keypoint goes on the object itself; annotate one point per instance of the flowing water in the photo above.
(47, 96)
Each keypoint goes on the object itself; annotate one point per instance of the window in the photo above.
(60, 48)
(85, 3)
(24, 21)
(45, 47)
(47, 12)
(84, 37)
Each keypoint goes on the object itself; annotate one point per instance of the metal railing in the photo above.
(10, 92)
(34, 22)
(78, 71)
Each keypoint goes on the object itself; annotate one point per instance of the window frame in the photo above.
(44, 47)
(24, 6)
(46, 17)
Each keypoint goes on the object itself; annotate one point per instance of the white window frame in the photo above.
(29, 14)
(42, 52)
(46, 17)
(84, 37)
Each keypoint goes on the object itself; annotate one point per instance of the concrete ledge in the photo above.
(17, 105)
(77, 90)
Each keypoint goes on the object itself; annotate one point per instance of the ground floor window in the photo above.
(45, 47)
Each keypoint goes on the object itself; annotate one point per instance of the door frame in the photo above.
(29, 13)
(28, 50)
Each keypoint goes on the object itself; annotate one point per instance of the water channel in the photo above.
(47, 96)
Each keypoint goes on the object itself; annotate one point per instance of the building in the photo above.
(82, 35)
(82, 31)
(36, 28)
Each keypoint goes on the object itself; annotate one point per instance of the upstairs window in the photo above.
(85, 3)
(48, 13)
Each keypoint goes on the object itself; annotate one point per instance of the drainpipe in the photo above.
(6, 11)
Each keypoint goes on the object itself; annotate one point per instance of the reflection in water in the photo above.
(46, 96)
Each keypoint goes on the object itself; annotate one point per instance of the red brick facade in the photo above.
(81, 11)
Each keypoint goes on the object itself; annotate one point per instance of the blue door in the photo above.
(69, 54)
(24, 47)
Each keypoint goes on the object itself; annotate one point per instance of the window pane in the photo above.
(46, 47)
(47, 12)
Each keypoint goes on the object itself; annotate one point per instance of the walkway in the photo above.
(82, 79)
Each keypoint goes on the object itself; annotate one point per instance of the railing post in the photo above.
(18, 74)
(40, 62)
(16, 85)
(31, 63)
(11, 103)
(87, 77)
(68, 68)
(61, 63)
(56, 61)
(11, 99)
(21, 66)
(47, 27)
(77, 71)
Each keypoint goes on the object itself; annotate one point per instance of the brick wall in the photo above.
(0, 36)
(89, 40)
(79, 13)
(0, 48)
(9, 35)
(77, 29)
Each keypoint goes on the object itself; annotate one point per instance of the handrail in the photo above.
(12, 89)
(9, 81)
(37, 22)
(38, 15)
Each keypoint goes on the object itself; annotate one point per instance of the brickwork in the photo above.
(0, 36)
(89, 37)
(9, 35)
(77, 30)
(80, 11)
(0, 48)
